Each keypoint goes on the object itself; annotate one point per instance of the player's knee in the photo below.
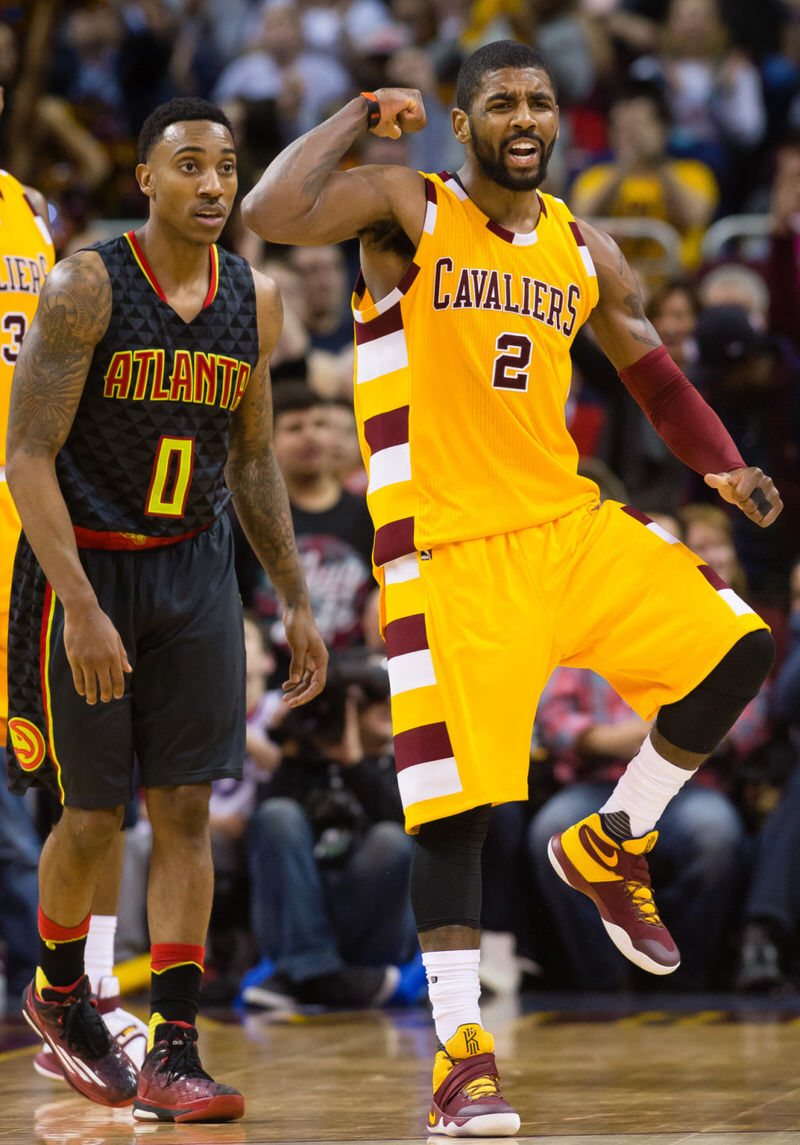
(90, 830)
(699, 721)
(446, 870)
(748, 663)
(182, 811)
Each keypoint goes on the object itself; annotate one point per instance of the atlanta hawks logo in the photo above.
(29, 744)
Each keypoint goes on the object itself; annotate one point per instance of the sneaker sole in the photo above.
(226, 1107)
(487, 1125)
(89, 1092)
(618, 935)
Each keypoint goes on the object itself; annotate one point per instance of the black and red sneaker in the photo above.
(87, 1055)
(173, 1086)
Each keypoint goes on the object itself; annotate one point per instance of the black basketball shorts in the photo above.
(182, 716)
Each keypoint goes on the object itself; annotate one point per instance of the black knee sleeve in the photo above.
(446, 870)
(702, 719)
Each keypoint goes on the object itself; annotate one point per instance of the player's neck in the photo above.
(176, 263)
(516, 210)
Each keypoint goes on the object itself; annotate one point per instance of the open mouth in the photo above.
(523, 152)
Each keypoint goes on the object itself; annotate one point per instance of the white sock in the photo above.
(645, 789)
(453, 988)
(99, 956)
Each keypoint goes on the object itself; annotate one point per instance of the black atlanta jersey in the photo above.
(146, 453)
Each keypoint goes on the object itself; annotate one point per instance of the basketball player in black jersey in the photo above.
(142, 383)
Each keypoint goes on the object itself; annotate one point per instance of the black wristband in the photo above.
(373, 109)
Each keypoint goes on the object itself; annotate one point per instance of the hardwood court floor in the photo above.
(580, 1073)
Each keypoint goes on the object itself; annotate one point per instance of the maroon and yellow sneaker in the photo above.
(173, 1086)
(616, 878)
(467, 1101)
(82, 1046)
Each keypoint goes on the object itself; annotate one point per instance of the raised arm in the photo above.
(303, 199)
(676, 410)
(261, 501)
(49, 377)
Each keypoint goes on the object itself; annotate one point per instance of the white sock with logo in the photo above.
(453, 988)
(642, 792)
(99, 956)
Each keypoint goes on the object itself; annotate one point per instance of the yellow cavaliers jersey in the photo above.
(462, 374)
(26, 257)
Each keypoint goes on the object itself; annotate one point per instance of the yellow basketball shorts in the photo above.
(9, 535)
(474, 629)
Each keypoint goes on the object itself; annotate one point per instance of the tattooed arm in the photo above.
(262, 504)
(50, 374)
(618, 320)
(302, 198)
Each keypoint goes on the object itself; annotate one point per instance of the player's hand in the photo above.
(309, 665)
(402, 112)
(96, 654)
(751, 490)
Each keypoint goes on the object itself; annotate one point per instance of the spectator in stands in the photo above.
(323, 273)
(733, 284)
(714, 94)
(771, 913)
(346, 460)
(281, 67)
(754, 389)
(643, 181)
(782, 268)
(329, 857)
(673, 310)
(333, 528)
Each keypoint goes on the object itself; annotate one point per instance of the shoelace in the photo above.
(85, 1032)
(641, 895)
(182, 1060)
(486, 1086)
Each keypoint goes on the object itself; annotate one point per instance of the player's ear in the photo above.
(460, 122)
(144, 177)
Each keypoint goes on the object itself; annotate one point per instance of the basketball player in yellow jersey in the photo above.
(26, 257)
(495, 559)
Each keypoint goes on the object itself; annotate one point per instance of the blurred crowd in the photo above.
(680, 134)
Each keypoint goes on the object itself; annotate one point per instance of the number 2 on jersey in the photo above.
(172, 475)
(510, 365)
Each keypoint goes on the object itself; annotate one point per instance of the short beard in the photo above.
(494, 168)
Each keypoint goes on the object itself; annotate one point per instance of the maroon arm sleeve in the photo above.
(681, 418)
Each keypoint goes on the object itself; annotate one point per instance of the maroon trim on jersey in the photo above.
(34, 212)
(421, 745)
(576, 233)
(360, 286)
(637, 514)
(387, 429)
(713, 578)
(430, 191)
(501, 232)
(394, 540)
(542, 206)
(409, 276)
(90, 539)
(387, 323)
(408, 634)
